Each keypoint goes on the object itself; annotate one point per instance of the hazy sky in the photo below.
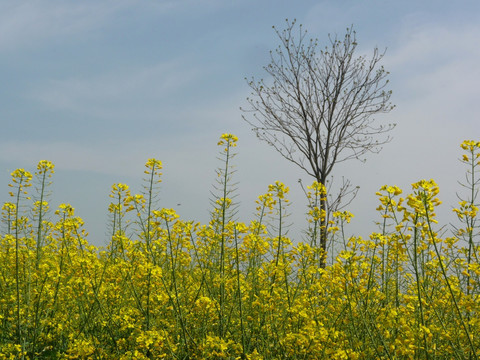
(98, 87)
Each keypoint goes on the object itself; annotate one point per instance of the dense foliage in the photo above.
(169, 289)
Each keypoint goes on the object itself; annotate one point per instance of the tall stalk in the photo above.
(45, 169)
(222, 241)
(224, 211)
(153, 170)
(20, 181)
(239, 291)
(173, 257)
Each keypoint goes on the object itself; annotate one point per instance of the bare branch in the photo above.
(317, 107)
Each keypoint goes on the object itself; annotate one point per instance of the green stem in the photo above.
(239, 291)
(222, 244)
(445, 276)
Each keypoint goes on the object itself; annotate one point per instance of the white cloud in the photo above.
(31, 22)
(115, 157)
(118, 94)
(436, 73)
(101, 158)
(27, 23)
(431, 43)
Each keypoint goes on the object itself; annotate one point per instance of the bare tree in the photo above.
(316, 107)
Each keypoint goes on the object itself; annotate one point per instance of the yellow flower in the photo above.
(44, 165)
(229, 140)
(166, 214)
(22, 178)
(318, 188)
(470, 145)
(278, 189)
(153, 163)
(344, 215)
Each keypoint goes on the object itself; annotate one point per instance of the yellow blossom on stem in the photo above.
(278, 190)
(229, 139)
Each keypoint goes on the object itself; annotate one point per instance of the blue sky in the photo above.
(98, 87)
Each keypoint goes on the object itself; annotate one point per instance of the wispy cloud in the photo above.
(27, 23)
(433, 43)
(436, 70)
(123, 93)
(120, 157)
(106, 158)
(31, 22)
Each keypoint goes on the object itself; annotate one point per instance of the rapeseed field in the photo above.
(165, 288)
